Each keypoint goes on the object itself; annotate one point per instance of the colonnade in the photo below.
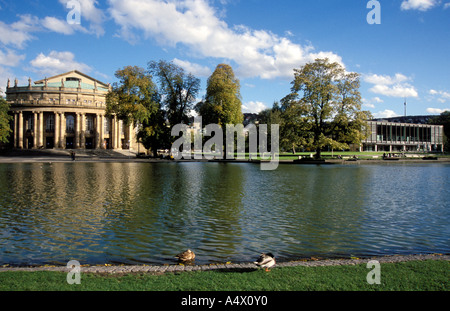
(100, 136)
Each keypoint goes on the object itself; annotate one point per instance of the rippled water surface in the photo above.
(148, 212)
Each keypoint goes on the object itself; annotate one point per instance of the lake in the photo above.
(145, 213)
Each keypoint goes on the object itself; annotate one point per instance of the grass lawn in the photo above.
(431, 275)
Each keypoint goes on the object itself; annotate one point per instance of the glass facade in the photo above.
(389, 136)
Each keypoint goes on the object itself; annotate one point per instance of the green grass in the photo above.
(408, 276)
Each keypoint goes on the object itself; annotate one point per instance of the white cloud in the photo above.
(385, 114)
(253, 107)
(395, 91)
(10, 58)
(57, 25)
(378, 100)
(385, 80)
(447, 5)
(370, 103)
(195, 24)
(395, 86)
(421, 5)
(5, 74)
(442, 96)
(58, 62)
(437, 110)
(195, 69)
(18, 33)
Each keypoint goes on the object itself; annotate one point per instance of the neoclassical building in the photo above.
(66, 111)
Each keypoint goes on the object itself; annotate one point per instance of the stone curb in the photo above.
(107, 269)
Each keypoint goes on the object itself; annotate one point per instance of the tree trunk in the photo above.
(318, 154)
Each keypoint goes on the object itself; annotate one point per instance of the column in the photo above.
(41, 129)
(97, 131)
(102, 132)
(63, 131)
(35, 130)
(57, 126)
(16, 125)
(112, 133)
(130, 136)
(83, 131)
(77, 131)
(20, 131)
(119, 134)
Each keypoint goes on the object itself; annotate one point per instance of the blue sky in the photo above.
(406, 56)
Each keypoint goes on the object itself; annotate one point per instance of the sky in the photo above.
(401, 48)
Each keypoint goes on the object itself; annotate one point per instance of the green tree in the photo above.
(271, 116)
(134, 99)
(178, 89)
(443, 119)
(5, 118)
(326, 104)
(222, 104)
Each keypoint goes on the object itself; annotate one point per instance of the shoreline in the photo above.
(57, 158)
(161, 269)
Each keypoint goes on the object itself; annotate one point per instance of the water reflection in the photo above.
(147, 213)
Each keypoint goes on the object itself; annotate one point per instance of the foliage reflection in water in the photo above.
(146, 213)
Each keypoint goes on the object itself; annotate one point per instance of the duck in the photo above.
(187, 255)
(266, 261)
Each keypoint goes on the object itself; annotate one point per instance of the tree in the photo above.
(222, 104)
(270, 117)
(443, 119)
(326, 103)
(5, 129)
(134, 99)
(178, 89)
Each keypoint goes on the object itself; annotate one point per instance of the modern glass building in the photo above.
(403, 137)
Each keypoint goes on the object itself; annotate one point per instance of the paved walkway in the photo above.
(123, 269)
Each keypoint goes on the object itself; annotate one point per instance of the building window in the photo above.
(73, 79)
(50, 124)
(107, 127)
(90, 124)
(30, 123)
(70, 124)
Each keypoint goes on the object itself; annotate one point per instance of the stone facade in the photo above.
(66, 111)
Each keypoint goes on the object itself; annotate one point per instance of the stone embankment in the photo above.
(124, 269)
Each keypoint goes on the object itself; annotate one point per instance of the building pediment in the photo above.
(72, 79)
